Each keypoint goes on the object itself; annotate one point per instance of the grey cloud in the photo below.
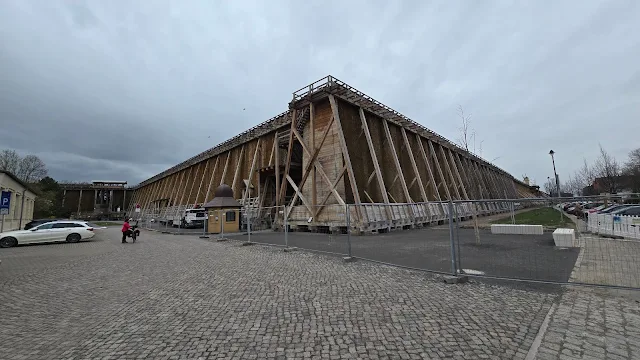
(129, 89)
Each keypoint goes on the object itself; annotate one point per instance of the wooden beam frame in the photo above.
(418, 178)
(202, 177)
(345, 155)
(251, 171)
(226, 166)
(213, 175)
(394, 154)
(429, 170)
(374, 157)
(193, 183)
(448, 168)
(312, 142)
(432, 151)
(312, 164)
(238, 166)
(282, 193)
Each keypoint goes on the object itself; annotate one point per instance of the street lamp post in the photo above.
(551, 152)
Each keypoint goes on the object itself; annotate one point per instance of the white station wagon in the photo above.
(63, 230)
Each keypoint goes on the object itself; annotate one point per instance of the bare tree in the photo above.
(607, 170)
(31, 169)
(9, 161)
(580, 179)
(632, 169)
(28, 169)
(465, 132)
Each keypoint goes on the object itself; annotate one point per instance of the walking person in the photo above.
(126, 230)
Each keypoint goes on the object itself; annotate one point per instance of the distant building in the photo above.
(622, 184)
(98, 200)
(22, 201)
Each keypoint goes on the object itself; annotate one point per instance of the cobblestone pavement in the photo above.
(180, 297)
(605, 261)
(592, 324)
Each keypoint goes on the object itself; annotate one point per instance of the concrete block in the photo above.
(564, 237)
(517, 229)
(290, 249)
(348, 259)
(248, 243)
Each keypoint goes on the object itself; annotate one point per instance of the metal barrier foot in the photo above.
(248, 243)
(348, 259)
(290, 249)
(460, 279)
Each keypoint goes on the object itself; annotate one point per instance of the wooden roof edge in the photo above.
(246, 136)
(330, 84)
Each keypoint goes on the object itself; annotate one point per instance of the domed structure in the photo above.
(223, 198)
(223, 190)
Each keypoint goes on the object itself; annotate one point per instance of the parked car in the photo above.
(628, 211)
(612, 208)
(36, 222)
(53, 231)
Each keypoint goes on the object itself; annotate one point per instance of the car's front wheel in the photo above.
(8, 242)
(74, 238)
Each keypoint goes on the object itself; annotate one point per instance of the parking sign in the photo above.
(5, 202)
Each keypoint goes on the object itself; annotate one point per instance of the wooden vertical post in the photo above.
(312, 133)
(283, 191)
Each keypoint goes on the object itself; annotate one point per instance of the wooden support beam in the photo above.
(277, 164)
(332, 189)
(396, 161)
(312, 163)
(186, 184)
(432, 151)
(273, 148)
(423, 193)
(283, 191)
(312, 141)
(202, 177)
(374, 157)
(251, 172)
(238, 167)
(345, 152)
(429, 170)
(213, 175)
(371, 176)
(451, 177)
(226, 166)
(457, 175)
(193, 183)
(299, 195)
(176, 186)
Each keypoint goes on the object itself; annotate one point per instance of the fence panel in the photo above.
(519, 242)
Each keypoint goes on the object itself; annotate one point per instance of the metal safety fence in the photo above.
(540, 240)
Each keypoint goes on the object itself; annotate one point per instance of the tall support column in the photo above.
(79, 203)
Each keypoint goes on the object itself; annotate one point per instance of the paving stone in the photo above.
(179, 297)
(589, 324)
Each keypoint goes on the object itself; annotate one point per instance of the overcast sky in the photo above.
(121, 90)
